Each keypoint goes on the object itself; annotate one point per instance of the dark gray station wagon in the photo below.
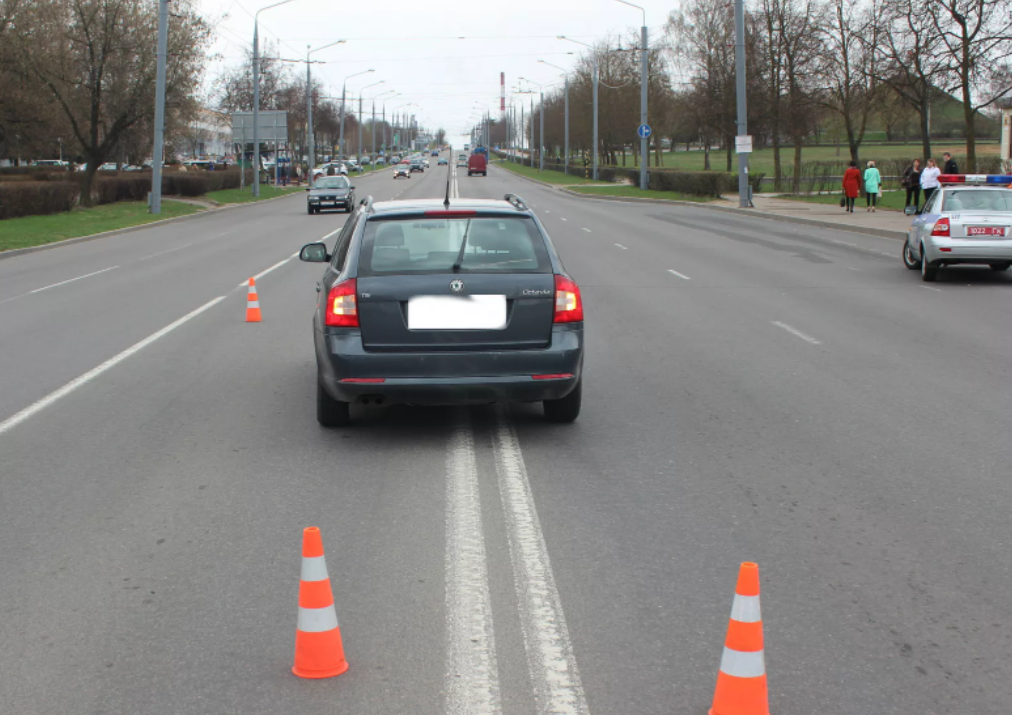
(428, 303)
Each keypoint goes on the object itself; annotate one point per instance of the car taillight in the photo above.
(342, 308)
(568, 304)
(941, 227)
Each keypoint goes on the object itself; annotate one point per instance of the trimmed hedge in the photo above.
(695, 183)
(33, 198)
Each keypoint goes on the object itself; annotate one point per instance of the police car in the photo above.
(968, 220)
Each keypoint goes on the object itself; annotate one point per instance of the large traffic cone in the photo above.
(741, 682)
(319, 652)
(252, 303)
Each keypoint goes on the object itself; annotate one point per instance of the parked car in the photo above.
(380, 161)
(56, 163)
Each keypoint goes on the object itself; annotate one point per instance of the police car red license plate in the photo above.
(985, 230)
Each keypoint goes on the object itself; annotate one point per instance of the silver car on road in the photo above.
(961, 223)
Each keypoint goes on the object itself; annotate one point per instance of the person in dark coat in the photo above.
(912, 183)
(851, 185)
(950, 166)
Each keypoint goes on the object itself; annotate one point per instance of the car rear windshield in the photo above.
(977, 200)
(332, 182)
(431, 245)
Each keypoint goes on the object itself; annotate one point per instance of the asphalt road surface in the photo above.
(753, 391)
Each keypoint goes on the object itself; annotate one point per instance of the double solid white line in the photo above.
(472, 672)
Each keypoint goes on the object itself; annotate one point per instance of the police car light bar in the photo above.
(975, 179)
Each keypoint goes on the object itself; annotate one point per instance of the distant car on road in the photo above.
(417, 166)
(462, 161)
(330, 192)
(477, 164)
(435, 152)
(402, 170)
(429, 305)
(442, 162)
(968, 221)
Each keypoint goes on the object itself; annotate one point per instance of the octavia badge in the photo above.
(457, 286)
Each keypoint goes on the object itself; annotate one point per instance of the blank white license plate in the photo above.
(450, 312)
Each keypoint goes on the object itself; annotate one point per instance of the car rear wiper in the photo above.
(463, 247)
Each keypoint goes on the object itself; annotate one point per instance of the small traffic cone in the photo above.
(319, 652)
(252, 303)
(741, 682)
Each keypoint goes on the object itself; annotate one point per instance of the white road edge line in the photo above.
(61, 283)
(621, 246)
(472, 675)
(589, 231)
(798, 333)
(551, 663)
(680, 275)
(35, 408)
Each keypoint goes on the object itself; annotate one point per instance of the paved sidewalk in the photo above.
(892, 221)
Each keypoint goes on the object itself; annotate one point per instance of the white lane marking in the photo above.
(551, 663)
(63, 283)
(472, 674)
(87, 377)
(622, 247)
(680, 275)
(261, 274)
(547, 211)
(930, 288)
(589, 231)
(162, 253)
(795, 331)
(564, 219)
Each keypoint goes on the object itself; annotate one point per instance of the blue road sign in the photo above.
(644, 131)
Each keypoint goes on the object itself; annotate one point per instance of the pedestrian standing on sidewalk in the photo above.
(950, 166)
(872, 185)
(912, 183)
(851, 185)
(929, 180)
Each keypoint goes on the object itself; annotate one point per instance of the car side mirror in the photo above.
(307, 188)
(314, 253)
(351, 187)
(910, 210)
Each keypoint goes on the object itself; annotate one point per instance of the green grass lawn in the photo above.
(38, 230)
(890, 200)
(244, 196)
(635, 192)
(549, 177)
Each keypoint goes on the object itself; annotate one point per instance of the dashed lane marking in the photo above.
(794, 331)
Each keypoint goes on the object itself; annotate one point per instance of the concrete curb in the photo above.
(14, 252)
(762, 215)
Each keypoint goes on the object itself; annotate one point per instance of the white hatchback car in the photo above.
(966, 221)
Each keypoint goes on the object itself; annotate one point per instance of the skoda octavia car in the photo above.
(330, 192)
(967, 221)
(428, 303)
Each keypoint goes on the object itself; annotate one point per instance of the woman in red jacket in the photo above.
(851, 184)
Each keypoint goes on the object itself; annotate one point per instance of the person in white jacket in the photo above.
(929, 180)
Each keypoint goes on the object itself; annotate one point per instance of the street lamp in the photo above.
(385, 125)
(595, 82)
(309, 108)
(566, 77)
(541, 123)
(359, 157)
(373, 126)
(156, 159)
(344, 87)
(256, 95)
(644, 82)
(402, 106)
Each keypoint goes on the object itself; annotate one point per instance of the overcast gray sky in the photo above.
(415, 45)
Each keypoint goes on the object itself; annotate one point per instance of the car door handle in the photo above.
(318, 287)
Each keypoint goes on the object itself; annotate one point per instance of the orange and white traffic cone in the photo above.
(252, 303)
(319, 652)
(741, 682)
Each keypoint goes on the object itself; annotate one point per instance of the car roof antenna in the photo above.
(449, 173)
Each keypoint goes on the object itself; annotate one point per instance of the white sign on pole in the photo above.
(743, 145)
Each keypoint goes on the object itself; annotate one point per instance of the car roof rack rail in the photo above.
(516, 202)
(367, 202)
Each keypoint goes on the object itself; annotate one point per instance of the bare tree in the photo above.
(234, 87)
(975, 37)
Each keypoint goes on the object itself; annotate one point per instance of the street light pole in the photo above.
(541, 122)
(644, 83)
(566, 78)
(594, 79)
(739, 61)
(309, 108)
(156, 156)
(256, 96)
(344, 88)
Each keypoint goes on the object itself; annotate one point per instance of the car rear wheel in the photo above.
(929, 271)
(1000, 266)
(331, 412)
(908, 258)
(565, 409)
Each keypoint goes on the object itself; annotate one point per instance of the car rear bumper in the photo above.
(450, 377)
(968, 251)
